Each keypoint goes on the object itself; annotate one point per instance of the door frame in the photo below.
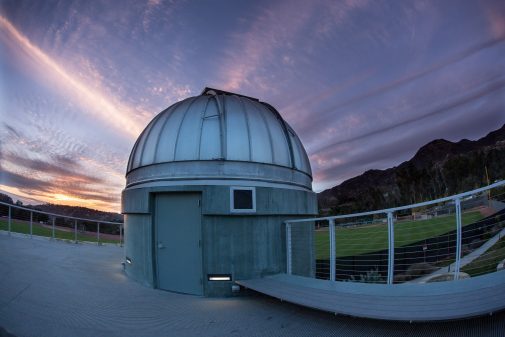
(154, 250)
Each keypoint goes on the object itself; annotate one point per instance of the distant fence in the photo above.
(32, 222)
(452, 237)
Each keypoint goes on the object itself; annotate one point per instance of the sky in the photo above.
(363, 83)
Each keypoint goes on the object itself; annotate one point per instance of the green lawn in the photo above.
(487, 262)
(23, 227)
(374, 237)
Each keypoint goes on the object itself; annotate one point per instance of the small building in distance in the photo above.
(209, 184)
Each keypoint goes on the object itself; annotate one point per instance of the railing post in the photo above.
(9, 221)
(332, 249)
(121, 235)
(31, 224)
(52, 229)
(75, 231)
(391, 248)
(98, 233)
(288, 249)
(457, 265)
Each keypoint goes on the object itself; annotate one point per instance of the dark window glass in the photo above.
(243, 199)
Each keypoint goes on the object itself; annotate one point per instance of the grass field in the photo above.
(374, 237)
(37, 229)
(487, 262)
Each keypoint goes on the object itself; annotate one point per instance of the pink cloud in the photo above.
(496, 19)
(88, 94)
(267, 34)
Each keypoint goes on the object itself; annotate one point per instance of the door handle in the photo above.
(160, 245)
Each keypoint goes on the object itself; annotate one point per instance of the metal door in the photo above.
(177, 242)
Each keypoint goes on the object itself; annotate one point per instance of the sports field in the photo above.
(37, 229)
(374, 237)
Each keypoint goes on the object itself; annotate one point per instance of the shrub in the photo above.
(371, 276)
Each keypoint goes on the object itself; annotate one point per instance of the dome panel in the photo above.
(237, 133)
(303, 156)
(167, 138)
(301, 159)
(149, 151)
(296, 154)
(137, 156)
(188, 139)
(261, 151)
(210, 142)
(281, 153)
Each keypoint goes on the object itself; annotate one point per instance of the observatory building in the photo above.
(209, 184)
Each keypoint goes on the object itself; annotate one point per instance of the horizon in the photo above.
(28, 201)
(364, 84)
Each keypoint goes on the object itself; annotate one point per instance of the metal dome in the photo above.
(219, 127)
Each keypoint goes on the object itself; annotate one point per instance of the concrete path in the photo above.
(50, 288)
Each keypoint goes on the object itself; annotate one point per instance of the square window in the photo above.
(243, 199)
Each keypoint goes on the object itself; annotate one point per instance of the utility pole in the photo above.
(488, 183)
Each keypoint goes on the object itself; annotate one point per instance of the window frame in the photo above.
(232, 199)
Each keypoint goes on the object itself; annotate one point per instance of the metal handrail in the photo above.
(59, 215)
(55, 216)
(457, 199)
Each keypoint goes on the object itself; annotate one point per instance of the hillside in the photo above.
(80, 212)
(439, 168)
(75, 211)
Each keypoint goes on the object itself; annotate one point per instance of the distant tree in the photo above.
(5, 198)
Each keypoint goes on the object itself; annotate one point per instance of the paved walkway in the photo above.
(50, 288)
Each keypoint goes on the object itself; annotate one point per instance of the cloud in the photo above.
(251, 49)
(478, 94)
(70, 189)
(71, 174)
(496, 19)
(115, 114)
(309, 99)
(20, 181)
(401, 82)
(336, 14)
(59, 166)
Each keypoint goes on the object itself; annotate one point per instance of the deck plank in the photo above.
(405, 302)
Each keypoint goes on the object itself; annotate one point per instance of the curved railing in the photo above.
(451, 237)
(15, 219)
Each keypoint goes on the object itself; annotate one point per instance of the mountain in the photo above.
(439, 168)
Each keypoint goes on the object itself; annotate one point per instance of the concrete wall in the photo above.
(138, 247)
(245, 246)
(216, 200)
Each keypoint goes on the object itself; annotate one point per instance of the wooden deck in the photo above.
(403, 302)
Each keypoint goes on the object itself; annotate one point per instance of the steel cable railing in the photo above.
(457, 236)
(32, 222)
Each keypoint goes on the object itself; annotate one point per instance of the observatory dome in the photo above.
(219, 135)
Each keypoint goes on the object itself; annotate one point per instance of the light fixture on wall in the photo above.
(219, 277)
